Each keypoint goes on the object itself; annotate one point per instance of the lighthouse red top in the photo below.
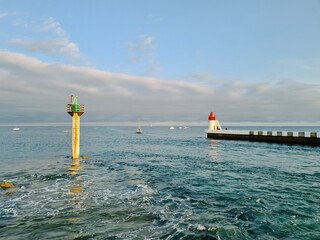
(212, 116)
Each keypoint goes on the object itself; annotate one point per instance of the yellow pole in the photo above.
(75, 110)
(75, 135)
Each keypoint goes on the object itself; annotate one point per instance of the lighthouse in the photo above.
(75, 110)
(213, 122)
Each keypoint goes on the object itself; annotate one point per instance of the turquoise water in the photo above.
(163, 184)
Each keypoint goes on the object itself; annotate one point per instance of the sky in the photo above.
(160, 61)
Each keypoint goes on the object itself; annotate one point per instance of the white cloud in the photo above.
(39, 91)
(51, 46)
(144, 44)
(54, 42)
(52, 25)
(6, 14)
(146, 41)
(143, 53)
(202, 77)
(2, 15)
(20, 23)
(72, 50)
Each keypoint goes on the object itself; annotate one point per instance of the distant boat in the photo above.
(139, 129)
(16, 129)
(185, 127)
(171, 128)
(180, 127)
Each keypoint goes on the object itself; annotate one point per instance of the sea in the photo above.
(161, 184)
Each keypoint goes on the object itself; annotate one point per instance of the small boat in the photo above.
(16, 129)
(180, 127)
(171, 128)
(139, 129)
(185, 127)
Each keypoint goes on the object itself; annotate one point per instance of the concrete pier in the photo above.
(75, 110)
(300, 138)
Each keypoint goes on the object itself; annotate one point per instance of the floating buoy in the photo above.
(85, 157)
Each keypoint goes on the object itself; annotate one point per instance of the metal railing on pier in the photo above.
(268, 133)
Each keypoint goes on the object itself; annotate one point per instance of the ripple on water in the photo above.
(164, 186)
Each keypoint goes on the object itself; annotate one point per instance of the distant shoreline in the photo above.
(165, 124)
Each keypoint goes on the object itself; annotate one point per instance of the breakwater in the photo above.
(285, 137)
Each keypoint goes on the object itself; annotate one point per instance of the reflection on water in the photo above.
(213, 149)
(161, 185)
(77, 194)
(76, 191)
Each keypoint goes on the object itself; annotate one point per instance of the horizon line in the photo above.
(160, 124)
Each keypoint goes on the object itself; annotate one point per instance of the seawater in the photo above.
(163, 184)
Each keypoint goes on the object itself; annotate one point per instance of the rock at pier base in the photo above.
(7, 185)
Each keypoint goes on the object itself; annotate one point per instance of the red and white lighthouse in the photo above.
(213, 122)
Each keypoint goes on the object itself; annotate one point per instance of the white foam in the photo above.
(201, 227)
(146, 200)
(17, 199)
(11, 212)
(145, 188)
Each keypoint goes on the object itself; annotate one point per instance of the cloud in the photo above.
(20, 23)
(42, 85)
(72, 50)
(144, 44)
(55, 43)
(32, 90)
(52, 25)
(51, 47)
(201, 77)
(142, 53)
(2, 15)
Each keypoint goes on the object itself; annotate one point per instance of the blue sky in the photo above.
(161, 60)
